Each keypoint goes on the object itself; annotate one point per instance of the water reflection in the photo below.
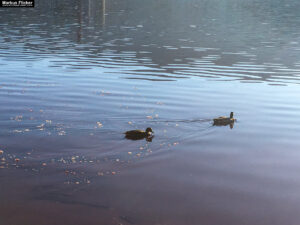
(229, 41)
(103, 12)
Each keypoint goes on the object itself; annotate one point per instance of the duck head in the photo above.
(149, 131)
(231, 115)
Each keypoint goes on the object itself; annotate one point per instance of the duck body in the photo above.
(138, 134)
(223, 120)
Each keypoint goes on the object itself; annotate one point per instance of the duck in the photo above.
(223, 120)
(139, 134)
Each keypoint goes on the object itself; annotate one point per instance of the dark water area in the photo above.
(75, 75)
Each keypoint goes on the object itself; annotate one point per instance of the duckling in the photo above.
(223, 120)
(139, 134)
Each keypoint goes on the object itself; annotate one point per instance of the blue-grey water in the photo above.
(75, 75)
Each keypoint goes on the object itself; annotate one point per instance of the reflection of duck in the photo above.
(223, 120)
(139, 134)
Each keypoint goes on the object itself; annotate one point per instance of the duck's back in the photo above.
(135, 134)
(221, 118)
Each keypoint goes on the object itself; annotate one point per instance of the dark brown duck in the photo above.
(138, 134)
(223, 120)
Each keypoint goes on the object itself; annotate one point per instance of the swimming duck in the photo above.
(223, 120)
(139, 134)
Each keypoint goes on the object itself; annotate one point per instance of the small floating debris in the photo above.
(100, 174)
(102, 93)
(99, 124)
(41, 127)
(1, 152)
(18, 118)
(17, 131)
(62, 133)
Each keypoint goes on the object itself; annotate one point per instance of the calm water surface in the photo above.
(75, 75)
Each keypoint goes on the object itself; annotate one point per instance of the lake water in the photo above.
(75, 75)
